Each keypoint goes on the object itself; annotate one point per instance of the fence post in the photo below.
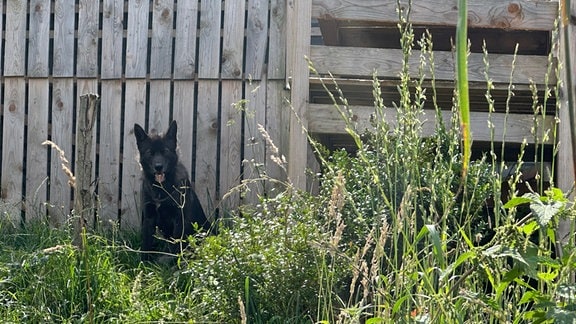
(83, 190)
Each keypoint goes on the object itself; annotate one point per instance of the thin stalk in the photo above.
(462, 83)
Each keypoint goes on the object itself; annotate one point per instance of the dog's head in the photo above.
(158, 156)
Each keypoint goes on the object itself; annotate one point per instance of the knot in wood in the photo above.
(514, 8)
(12, 107)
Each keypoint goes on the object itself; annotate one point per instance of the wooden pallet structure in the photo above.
(355, 38)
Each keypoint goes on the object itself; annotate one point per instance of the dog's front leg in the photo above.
(148, 229)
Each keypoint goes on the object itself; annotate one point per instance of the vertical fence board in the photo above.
(112, 37)
(206, 144)
(15, 37)
(277, 117)
(159, 112)
(161, 55)
(61, 134)
(87, 48)
(254, 144)
(230, 143)
(256, 38)
(87, 86)
(183, 113)
(209, 40)
(39, 35)
(36, 153)
(137, 38)
(134, 112)
(109, 149)
(277, 40)
(13, 147)
(185, 44)
(233, 40)
(63, 58)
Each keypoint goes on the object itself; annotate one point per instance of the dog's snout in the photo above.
(158, 167)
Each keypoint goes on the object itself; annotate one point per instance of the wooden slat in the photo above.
(254, 143)
(230, 143)
(36, 153)
(256, 39)
(134, 112)
(207, 143)
(137, 38)
(277, 117)
(325, 119)
(112, 38)
(15, 39)
(354, 61)
(13, 148)
(209, 40)
(298, 45)
(61, 134)
(39, 35)
(161, 50)
(183, 113)
(87, 86)
(109, 150)
(233, 40)
(63, 59)
(87, 48)
(185, 43)
(277, 40)
(533, 15)
(159, 111)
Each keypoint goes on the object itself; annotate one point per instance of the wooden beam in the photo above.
(533, 15)
(325, 119)
(356, 61)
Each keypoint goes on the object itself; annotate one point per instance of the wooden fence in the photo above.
(217, 67)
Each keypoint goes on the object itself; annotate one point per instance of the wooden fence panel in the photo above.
(161, 51)
(134, 112)
(137, 38)
(254, 144)
(36, 153)
(183, 113)
(277, 40)
(256, 39)
(63, 58)
(233, 40)
(112, 37)
(87, 49)
(185, 42)
(109, 149)
(13, 147)
(38, 39)
(159, 107)
(209, 40)
(61, 134)
(14, 59)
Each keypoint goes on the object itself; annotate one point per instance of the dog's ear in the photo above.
(171, 133)
(140, 134)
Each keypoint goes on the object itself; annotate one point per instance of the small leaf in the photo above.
(545, 212)
(517, 201)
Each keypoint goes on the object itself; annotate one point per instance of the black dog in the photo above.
(169, 205)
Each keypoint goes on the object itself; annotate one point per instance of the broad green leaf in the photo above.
(517, 201)
(544, 212)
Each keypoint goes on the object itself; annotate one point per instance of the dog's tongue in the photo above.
(159, 177)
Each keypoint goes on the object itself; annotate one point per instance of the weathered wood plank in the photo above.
(13, 148)
(209, 40)
(137, 38)
(207, 144)
(355, 61)
(15, 39)
(36, 153)
(233, 40)
(534, 15)
(230, 144)
(134, 112)
(256, 39)
(277, 117)
(63, 60)
(161, 50)
(39, 36)
(112, 38)
(109, 149)
(87, 48)
(325, 119)
(185, 43)
(183, 113)
(277, 40)
(254, 142)
(298, 45)
(159, 111)
(61, 134)
(87, 86)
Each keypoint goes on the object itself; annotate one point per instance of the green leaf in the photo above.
(517, 201)
(500, 251)
(375, 320)
(438, 251)
(545, 212)
(567, 291)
